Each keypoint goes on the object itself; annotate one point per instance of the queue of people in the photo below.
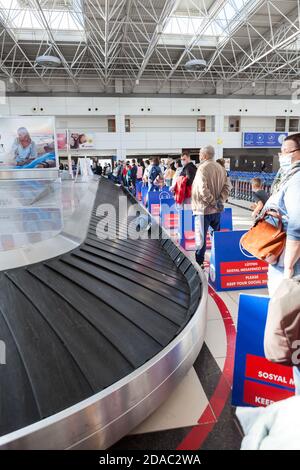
(153, 173)
(206, 189)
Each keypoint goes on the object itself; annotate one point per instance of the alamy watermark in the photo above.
(2, 92)
(296, 353)
(130, 221)
(296, 92)
(2, 353)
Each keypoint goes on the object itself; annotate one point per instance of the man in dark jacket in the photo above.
(189, 170)
(133, 174)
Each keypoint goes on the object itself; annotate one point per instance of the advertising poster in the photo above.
(80, 140)
(62, 140)
(27, 143)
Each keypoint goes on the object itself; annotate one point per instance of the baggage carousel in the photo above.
(98, 337)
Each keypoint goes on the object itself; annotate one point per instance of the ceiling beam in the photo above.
(287, 32)
(207, 21)
(169, 7)
(41, 16)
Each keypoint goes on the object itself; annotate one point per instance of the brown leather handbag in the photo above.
(264, 240)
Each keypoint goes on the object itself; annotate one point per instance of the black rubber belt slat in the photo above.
(153, 263)
(184, 266)
(135, 245)
(123, 254)
(159, 258)
(154, 247)
(122, 229)
(155, 324)
(48, 366)
(178, 295)
(163, 278)
(137, 345)
(18, 407)
(164, 306)
(84, 344)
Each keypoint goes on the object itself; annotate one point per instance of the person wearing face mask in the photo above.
(189, 171)
(286, 199)
(178, 170)
(285, 162)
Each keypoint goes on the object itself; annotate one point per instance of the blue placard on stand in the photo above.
(186, 222)
(233, 268)
(168, 205)
(169, 217)
(144, 192)
(263, 139)
(226, 219)
(153, 198)
(165, 193)
(256, 382)
(139, 185)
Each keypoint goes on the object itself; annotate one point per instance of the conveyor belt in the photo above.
(78, 323)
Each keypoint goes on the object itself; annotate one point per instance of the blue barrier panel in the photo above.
(154, 203)
(165, 193)
(226, 219)
(187, 228)
(154, 197)
(144, 192)
(169, 216)
(226, 225)
(257, 382)
(233, 268)
(138, 187)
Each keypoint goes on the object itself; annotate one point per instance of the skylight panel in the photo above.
(61, 17)
(228, 18)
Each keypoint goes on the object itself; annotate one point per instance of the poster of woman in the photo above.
(28, 143)
(81, 140)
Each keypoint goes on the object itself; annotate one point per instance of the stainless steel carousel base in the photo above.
(103, 419)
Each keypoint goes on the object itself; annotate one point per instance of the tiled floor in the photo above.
(198, 414)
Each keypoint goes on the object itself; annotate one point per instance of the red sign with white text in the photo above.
(259, 368)
(244, 280)
(237, 267)
(259, 394)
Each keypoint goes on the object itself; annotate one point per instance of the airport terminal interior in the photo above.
(150, 225)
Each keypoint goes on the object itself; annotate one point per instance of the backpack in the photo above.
(154, 173)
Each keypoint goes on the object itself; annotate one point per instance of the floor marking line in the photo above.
(196, 437)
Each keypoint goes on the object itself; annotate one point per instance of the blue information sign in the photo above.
(257, 381)
(263, 139)
(233, 268)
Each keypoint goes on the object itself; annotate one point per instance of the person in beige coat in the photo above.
(210, 191)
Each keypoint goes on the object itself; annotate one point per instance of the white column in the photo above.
(120, 130)
(219, 130)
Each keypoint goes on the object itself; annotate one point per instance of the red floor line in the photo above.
(197, 436)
